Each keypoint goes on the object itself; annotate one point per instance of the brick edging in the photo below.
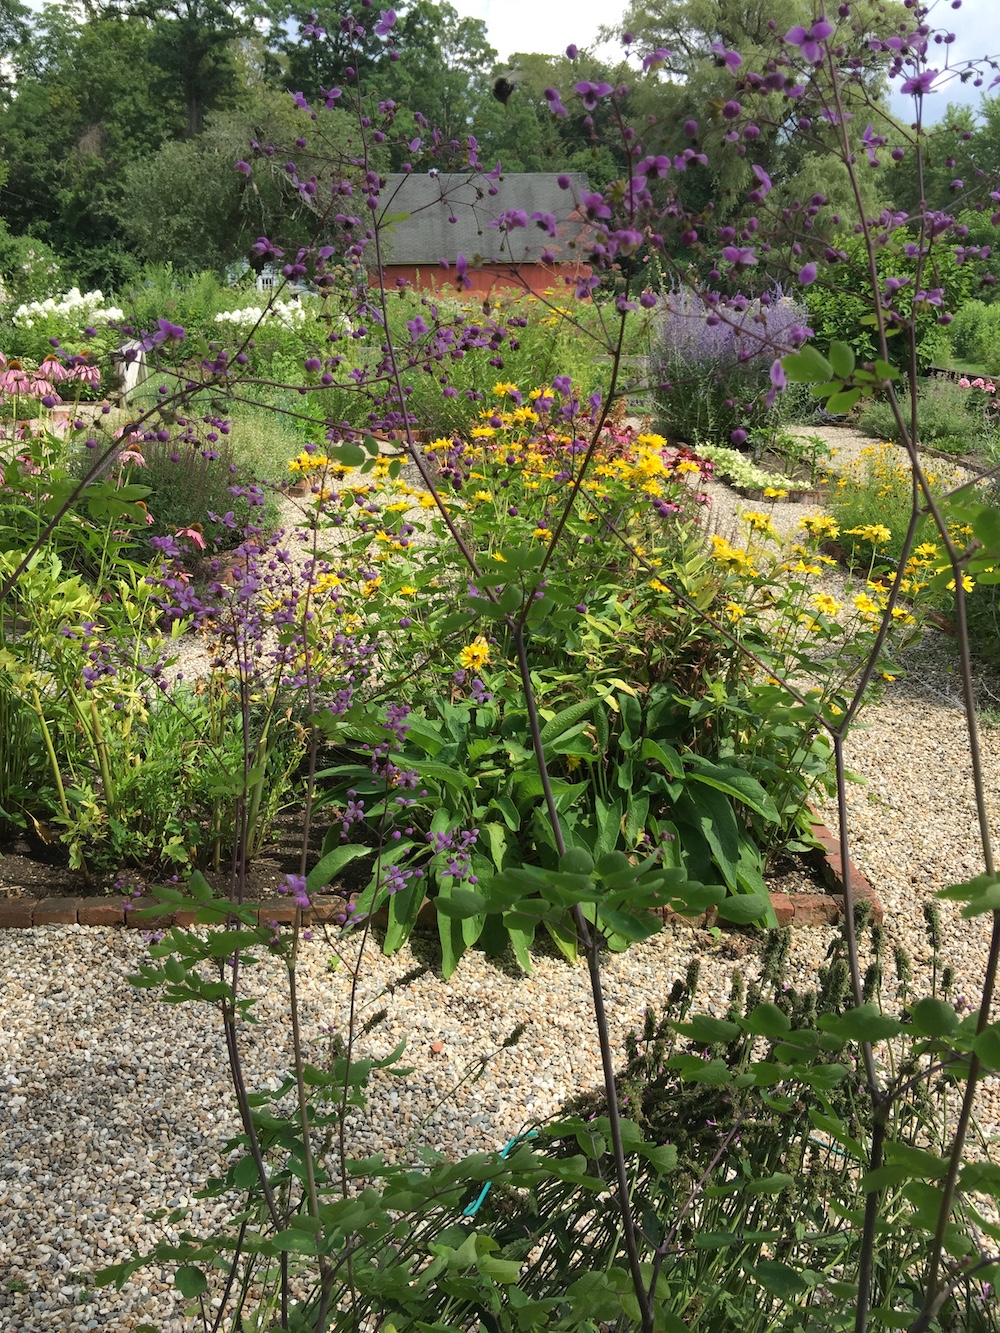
(811, 909)
(791, 909)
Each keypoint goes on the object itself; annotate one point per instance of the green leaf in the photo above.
(842, 359)
(987, 1046)
(708, 1031)
(667, 756)
(190, 1282)
(886, 372)
(332, 863)
(744, 908)
(839, 404)
(662, 1159)
(778, 1279)
(499, 1270)
(576, 861)
(933, 1018)
(865, 1023)
(767, 1020)
(563, 721)
(737, 783)
(351, 455)
(460, 904)
(773, 1184)
(296, 1241)
(807, 366)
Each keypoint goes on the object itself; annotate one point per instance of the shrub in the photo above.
(949, 417)
(975, 335)
(718, 365)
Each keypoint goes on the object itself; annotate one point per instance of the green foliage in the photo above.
(975, 335)
(29, 269)
(216, 212)
(840, 308)
(949, 417)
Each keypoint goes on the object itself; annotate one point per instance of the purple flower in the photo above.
(731, 110)
(778, 375)
(921, 83)
(386, 23)
(732, 59)
(763, 187)
(810, 42)
(591, 93)
(807, 274)
(165, 332)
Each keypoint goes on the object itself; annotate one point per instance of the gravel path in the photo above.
(114, 1103)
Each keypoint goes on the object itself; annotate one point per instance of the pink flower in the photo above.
(979, 384)
(53, 369)
(963, 383)
(132, 456)
(42, 388)
(88, 374)
(990, 387)
(193, 535)
(14, 380)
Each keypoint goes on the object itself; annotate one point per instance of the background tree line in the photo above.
(120, 125)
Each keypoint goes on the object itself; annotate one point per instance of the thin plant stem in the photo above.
(591, 942)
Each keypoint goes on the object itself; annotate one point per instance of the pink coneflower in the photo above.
(43, 388)
(193, 534)
(14, 379)
(86, 373)
(53, 369)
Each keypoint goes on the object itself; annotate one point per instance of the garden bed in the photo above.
(806, 890)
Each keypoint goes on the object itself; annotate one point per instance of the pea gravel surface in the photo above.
(113, 1104)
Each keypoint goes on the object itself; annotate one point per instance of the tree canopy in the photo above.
(122, 123)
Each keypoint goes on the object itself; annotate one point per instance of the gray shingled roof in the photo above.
(449, 214)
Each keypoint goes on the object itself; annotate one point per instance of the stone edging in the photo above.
(791, 909)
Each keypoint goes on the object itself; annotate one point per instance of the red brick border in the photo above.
(791, 909)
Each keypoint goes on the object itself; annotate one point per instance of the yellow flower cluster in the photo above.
(819, 525)
(732, 557)
(306, 463)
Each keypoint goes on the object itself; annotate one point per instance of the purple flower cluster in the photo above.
(455, 850)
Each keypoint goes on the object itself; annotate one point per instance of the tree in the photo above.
(189, 205)
(191, 43)
(436, 67)
(709, 46)
(88, 103)
(14, 31)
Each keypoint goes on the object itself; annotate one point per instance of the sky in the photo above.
(547, 26)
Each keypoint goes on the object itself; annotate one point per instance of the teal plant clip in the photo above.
(471, 1209)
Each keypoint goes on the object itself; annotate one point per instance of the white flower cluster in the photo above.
(738, 469)
(78, 308)
(290, 314)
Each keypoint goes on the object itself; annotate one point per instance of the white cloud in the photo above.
(545, 26)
